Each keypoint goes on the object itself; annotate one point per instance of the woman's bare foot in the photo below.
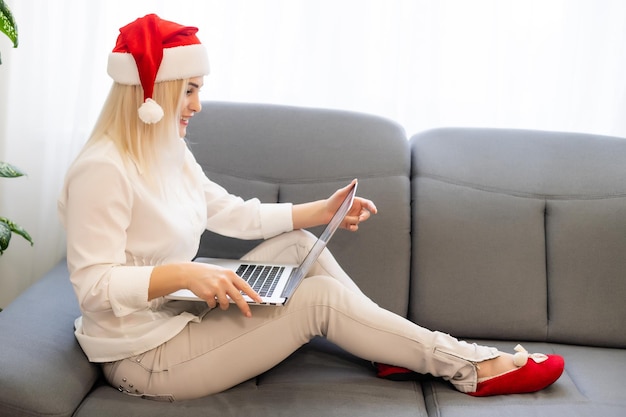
(497, 366)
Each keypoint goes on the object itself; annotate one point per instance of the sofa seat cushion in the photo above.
(316, 379)
(588, 387)
(43, 371)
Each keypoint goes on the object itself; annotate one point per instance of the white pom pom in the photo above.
(150, 111)
(520, 357)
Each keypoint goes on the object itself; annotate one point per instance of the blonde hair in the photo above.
(136, 140)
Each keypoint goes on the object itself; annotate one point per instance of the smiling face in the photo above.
(190, 105)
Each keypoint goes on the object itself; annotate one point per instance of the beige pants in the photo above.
(226, 348)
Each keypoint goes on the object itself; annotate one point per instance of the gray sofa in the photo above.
(499, 236)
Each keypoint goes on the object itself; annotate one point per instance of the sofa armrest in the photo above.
(43, 370)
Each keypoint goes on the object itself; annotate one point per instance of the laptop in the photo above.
(275, 283)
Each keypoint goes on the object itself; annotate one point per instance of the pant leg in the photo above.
(226, 348)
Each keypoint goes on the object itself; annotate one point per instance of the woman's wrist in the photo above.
(165, 279)
(309, 214)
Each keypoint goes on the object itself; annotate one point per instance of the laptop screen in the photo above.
(321, 242)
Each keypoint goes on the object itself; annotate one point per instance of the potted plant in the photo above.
(7, 227)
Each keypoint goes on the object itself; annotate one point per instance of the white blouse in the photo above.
(118, 228)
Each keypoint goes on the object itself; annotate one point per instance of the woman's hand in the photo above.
(320, 212)
(214, 284)
(217, 286)
(360, 211)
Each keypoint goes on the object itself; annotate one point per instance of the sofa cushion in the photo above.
(588, 387)
(318, 380)
(43, 371)
(520, 235)
(289, 154)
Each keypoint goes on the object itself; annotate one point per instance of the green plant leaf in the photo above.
(20, 231)
(5, 236)
(7, 23)
(15, 228)
(8, 170)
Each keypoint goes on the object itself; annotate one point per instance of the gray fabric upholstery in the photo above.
(590, 386)
(43, 371)
(523, 231)
(499, 236)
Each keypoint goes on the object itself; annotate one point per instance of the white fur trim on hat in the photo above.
(178, 63)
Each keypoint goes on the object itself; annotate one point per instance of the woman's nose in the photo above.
(195, 104)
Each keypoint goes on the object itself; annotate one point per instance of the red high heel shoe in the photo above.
(532, 375)
(395, 373)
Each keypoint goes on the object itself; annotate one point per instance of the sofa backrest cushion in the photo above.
(520, 234)
(291, 154)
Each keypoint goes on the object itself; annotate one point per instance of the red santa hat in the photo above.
(150, 50)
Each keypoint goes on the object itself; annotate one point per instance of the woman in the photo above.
(134, 205)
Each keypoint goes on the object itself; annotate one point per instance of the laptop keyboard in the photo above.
(261, 278)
